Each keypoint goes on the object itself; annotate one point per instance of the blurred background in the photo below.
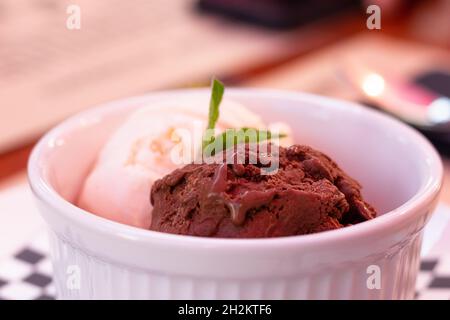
(49, 70)
(50, 67)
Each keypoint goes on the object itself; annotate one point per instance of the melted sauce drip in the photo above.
(239, 207)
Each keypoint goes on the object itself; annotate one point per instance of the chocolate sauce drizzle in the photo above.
(248, 200)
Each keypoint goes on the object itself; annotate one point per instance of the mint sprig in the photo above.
(217, 91)
(231, 137)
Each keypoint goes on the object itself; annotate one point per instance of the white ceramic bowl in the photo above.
(95, 258)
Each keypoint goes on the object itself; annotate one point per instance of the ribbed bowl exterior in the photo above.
(106, 280)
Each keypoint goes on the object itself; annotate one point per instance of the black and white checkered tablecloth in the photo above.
(28, 275)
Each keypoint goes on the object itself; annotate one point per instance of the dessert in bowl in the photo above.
(399, 170)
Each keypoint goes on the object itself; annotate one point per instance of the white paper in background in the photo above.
(20, 221)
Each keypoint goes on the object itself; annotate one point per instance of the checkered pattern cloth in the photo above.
(28, 275)
(433, 281)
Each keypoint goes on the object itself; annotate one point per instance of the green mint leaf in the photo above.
(217, 91)
(232, 137)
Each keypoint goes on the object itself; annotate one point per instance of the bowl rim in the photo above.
(426, 194)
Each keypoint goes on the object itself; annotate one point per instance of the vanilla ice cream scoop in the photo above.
(142, 151)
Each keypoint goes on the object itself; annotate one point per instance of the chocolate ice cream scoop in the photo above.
(309, 193)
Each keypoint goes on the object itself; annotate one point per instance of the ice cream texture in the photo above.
(309, 193)
(138, 153)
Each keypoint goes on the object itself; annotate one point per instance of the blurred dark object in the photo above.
(436, 81)
(278, 14)
(443, 145)
(439, 83)
(420, 99)
(439, 140)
